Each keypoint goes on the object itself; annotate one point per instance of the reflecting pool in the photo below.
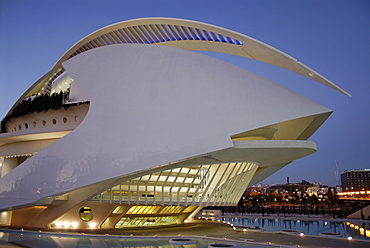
(356, 230)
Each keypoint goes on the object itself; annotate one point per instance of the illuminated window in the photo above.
(148, 221)
(172, 210)
(189, 209)
(86, 214)
(144, 210)
(119, 210)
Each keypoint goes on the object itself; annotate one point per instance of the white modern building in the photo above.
(132, 127)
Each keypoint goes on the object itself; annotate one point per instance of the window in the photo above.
(143, 210)
(86, 214)
(119, 210)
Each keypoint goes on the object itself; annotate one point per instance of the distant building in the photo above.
(317, 189)
(258, 189)
(356, 180)
(297, 187)
(276, 188)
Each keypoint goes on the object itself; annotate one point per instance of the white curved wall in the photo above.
(150, 105)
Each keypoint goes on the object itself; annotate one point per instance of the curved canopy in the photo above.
(184, 34)
(191, 35)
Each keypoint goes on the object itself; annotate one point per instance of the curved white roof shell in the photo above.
(192, 35)
(180, 33)
(162, 105)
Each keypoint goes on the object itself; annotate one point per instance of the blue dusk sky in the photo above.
(332, 37)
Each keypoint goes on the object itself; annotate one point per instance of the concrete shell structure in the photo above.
(148, 132)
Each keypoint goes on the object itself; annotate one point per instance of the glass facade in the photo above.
(171, 195)
(198, 185)
(147, 216)
(149, 221)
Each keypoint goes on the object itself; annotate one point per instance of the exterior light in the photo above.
(301, 234)
(349, 238)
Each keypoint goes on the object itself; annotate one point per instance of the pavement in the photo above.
(212, 229)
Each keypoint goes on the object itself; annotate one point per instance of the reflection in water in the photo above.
(309, 227)
(41, 240)
(84, 243)
(361, 229)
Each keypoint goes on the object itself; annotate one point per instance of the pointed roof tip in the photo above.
(345, 92)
